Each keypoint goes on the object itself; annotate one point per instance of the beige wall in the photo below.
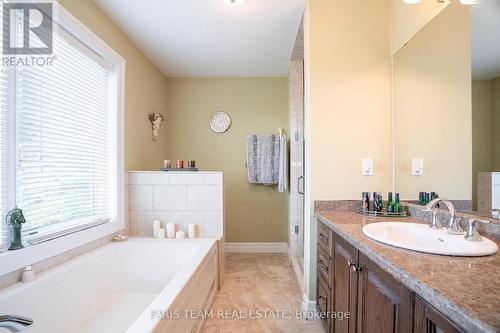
(482, 135)
(408, 20)
(144, 91)
(432, 94)
(254, 213)
(495, 95)
(348, 105)
(349, 97)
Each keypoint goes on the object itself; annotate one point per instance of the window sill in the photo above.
(11, 261)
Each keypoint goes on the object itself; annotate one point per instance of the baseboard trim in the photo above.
(267, 247)
(309, 306)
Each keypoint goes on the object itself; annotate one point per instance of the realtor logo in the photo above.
(27, 28)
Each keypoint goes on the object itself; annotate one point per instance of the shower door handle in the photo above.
(298, 185)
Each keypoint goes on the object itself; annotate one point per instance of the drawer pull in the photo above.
(353, 266)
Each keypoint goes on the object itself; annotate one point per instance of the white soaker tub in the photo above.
(130, 286)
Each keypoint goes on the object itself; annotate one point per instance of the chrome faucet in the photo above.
(14, 323)
(472, 234)
(453, 226)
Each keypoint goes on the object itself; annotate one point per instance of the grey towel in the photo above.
(267, 160)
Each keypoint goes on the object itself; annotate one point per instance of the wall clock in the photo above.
(220, 122)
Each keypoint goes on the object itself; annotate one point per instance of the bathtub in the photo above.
(135, 286)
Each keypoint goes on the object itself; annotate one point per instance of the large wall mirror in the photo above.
(447, 108)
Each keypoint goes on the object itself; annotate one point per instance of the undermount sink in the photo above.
(419, 237)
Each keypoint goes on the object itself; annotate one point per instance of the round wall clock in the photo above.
(220, 122)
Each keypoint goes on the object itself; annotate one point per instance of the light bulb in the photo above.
(411, 2)
(469, 2)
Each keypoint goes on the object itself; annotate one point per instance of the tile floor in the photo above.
(254, 285)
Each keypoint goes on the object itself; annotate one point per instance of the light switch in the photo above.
(367, 167)
(417, 167)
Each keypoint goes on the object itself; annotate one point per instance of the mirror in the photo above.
(447, 108)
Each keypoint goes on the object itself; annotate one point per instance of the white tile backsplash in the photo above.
(183, 219)
(182, 198)
(187, 178)
(141, 197)
(169, 197)
(213, 179)
(148, 178)
(204, 197)
(213, 224)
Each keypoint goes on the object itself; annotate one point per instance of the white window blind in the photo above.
(61, 154)
(63, 139)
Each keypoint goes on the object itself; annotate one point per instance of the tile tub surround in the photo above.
(461, 288)
(180, 197)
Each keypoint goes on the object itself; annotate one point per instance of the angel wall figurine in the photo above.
(156, 120)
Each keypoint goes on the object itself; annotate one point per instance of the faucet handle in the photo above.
(435, 224)
(472, 234)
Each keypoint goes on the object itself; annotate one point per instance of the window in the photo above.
(60, 136)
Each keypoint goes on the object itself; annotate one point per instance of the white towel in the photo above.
(283, 165)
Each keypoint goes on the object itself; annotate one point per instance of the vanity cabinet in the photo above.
(428, 319)
(384, 304)
(348, 281)
(345, 286)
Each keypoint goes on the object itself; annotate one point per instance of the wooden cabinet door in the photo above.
(384, 304)
(345, 284)
(429, 320)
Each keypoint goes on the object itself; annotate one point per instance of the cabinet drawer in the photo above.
(325, 266)
(324, 302)
(325, 238)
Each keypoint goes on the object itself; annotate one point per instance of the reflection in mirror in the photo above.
(447, 108)
(485, 44)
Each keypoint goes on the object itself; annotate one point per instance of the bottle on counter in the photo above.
(378, 202)
(365, 201)
(397, 205)
(390, 203)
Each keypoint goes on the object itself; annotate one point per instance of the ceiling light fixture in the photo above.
(411, 2)
(233, 2)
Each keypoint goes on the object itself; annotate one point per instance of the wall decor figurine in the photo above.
(156, 120)
(15, 220)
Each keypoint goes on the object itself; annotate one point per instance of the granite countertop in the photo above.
(465, 289)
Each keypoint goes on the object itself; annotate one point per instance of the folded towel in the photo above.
(263, 159)
(267, 160)
(283, 165)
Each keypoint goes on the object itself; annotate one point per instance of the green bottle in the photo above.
(397, 205)
(390, 204)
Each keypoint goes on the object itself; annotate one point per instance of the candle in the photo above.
(192, 231)
(156, 227)
(180, 234)
(170, 230)
(166, 164)
(161, 233)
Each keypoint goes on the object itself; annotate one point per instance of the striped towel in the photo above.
(266, 160)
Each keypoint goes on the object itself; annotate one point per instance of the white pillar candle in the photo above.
(170, 230)
(156, 227)
(180, 234)
(192, 231)
(161, 233)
